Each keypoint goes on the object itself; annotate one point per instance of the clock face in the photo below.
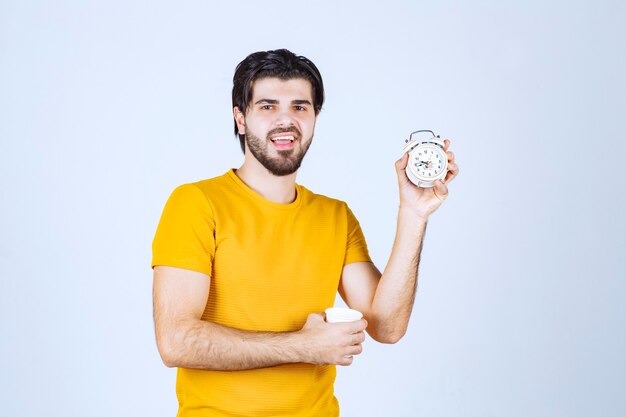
(428, 161)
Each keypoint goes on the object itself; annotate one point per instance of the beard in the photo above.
(288, 161)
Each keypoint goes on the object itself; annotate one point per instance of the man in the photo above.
(244, 263)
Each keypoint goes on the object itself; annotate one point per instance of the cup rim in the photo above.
(343, 314)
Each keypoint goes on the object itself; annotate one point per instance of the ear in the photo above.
(240, 119)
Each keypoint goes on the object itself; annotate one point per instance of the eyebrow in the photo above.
(272, 101)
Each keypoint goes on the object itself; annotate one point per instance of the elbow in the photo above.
(176, 343)
(388, 338)
(169, 361)
(387, 328)
(391, 339)
(168, 354)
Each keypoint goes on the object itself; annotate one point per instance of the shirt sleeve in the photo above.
(356, 247)
(185, 237)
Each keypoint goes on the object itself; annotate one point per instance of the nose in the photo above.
(284, 119)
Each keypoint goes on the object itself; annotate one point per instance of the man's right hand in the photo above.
(332, 343)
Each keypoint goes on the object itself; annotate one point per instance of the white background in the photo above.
(106, 106)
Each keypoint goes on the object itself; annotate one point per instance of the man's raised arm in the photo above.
(386, 300)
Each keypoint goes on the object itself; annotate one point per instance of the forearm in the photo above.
(395, 294)
(200, 344)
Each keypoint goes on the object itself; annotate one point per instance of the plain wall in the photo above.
(105, 107)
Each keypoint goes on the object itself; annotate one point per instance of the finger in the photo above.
(357, 338)
(353, 327)
(355, 350)
(357, 326)
(450, 156)
(401, 169)
(453, 171)
(402, 162)
(346, 361)
(446, 144)
(441, 190)
(317, 317)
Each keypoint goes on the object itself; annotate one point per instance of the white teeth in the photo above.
(289, 138)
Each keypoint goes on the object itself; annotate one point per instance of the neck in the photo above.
(276, 189)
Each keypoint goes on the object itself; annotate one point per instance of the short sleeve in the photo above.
(356, 247)
(185, 237)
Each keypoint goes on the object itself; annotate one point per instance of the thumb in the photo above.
(402, 162)
(401, 169)
(316, 317)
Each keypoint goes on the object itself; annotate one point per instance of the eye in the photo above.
(299, 108)
(266, 107)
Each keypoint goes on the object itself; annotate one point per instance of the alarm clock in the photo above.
(427, 159)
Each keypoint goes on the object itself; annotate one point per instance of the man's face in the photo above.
(279, 123)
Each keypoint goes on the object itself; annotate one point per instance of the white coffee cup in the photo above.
(342, 315)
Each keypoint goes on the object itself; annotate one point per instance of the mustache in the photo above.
(293, 130)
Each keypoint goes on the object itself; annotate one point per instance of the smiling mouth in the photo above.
(283, 139)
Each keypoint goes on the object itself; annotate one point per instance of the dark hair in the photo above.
(280, 63)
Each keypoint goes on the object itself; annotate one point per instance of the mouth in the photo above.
(284, 140)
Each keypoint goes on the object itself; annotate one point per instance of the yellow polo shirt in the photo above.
(270, 266)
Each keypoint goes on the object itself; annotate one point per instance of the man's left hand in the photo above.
(424, 201)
